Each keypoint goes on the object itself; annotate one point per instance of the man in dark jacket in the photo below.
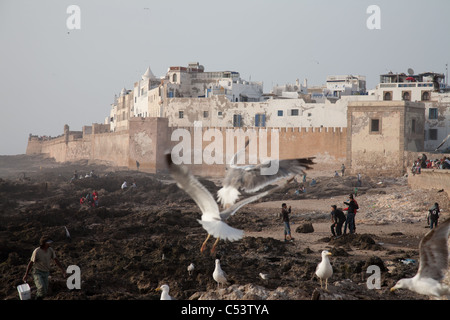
(434, 215)
(285, 217)
(351, 211)
(338, 219)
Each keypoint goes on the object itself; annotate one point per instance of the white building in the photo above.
(425, 87)
(345, 85)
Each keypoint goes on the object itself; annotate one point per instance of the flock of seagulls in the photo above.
(434, 253)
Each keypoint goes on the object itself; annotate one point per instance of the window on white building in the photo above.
(425, 95)
(205, 114)
(180, 114)
(294, 112)
(387, 95)
(237, 120)
(433, 113)
(406, 95)
(432, 134)
(260, 120)
(280, 113)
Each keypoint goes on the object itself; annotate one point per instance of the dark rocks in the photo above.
(306, 227)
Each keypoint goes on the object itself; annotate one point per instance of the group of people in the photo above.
(425, 163)
(338, 218)
(91, 199)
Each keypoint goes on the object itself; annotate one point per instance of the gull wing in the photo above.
(186, 181)
(235, 207)
(251, 179)
(433, 250)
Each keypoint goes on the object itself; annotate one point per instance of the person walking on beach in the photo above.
(285, 211)
(343, 169)
(40, 259)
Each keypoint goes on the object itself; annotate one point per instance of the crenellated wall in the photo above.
(148, 139)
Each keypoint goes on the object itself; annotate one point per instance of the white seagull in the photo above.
(212, 220)
(433, 251)
(165, 292)
(249, 178)
(219, 275)
(190, 268)
(324, 270)
(67, 233)
(264, 276)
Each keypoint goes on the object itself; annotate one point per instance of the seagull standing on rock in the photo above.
(433, 251)
(165, 292)
(324, 270)
(219, 275)
(191, 268)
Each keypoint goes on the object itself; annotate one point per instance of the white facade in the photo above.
(341, 85)
(425, 88)
(220, 112)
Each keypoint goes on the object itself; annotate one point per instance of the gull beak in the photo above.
(329, 254)
(392, 289)
(158, 289)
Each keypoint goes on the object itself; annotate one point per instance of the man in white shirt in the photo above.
(41, 259)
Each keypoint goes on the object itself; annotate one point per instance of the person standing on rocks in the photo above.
(40, 259)
(351, 212)
(285, 211)
(338, 219)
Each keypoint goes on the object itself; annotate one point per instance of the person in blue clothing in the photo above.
(285, 211)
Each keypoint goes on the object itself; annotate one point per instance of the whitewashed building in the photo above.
(429, 88)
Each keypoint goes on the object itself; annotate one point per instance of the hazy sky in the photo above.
(51, 76)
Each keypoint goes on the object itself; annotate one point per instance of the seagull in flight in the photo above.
(212, 220)
(433, 265)
(250, 179)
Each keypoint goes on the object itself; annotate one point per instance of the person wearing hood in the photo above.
(434, 215)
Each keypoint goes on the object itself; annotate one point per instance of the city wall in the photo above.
(431, 179)
(148, 139)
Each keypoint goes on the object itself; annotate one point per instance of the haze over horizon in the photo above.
(51, 76)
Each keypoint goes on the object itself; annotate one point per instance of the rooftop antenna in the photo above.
(446, 75)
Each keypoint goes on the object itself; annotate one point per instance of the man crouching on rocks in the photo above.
(40, 259)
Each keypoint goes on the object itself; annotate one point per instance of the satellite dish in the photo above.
(410, 71)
